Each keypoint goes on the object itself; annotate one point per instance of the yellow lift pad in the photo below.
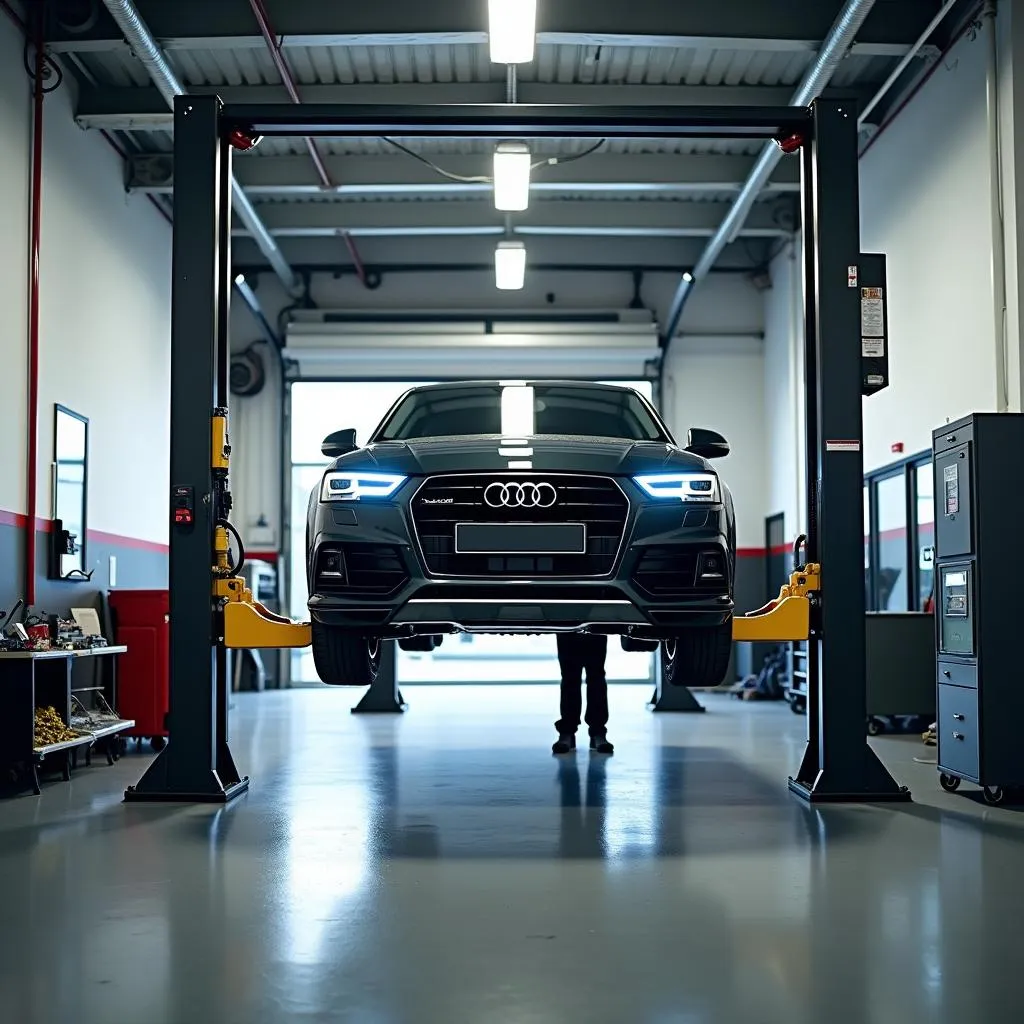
(788, 617)
(249, 624)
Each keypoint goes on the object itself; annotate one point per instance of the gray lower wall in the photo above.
(138, 566)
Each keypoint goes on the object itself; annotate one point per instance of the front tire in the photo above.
(344, 659)
(698, 657)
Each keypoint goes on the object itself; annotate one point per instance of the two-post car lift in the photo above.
(210, 609)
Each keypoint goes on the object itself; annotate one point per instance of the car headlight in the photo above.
(358, 485)
(680, 486)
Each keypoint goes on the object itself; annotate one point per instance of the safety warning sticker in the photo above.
(872, 322)
(951, 485)
(851, 276)
(842, 446)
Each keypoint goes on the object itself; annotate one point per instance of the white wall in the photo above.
(783, 390)
(926, 202)
(14, 187)
(105, 282)
(926, 194)
(718, 383)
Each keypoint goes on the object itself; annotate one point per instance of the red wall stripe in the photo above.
(263, 556)
(13, 519)
(20, 522)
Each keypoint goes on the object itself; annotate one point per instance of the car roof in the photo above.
(446, 385)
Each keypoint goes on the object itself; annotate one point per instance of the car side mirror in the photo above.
(708, 444)
(341, 442)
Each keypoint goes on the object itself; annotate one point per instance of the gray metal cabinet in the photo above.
(979, 494)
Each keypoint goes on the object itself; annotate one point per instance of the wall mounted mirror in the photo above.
(70, 483)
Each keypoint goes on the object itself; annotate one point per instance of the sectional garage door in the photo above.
(624, 346)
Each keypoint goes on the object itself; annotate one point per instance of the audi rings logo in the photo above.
(520, 495)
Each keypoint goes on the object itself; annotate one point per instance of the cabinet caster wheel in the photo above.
(157, 743)
(994, 795)
(875, 727)
(950, 783)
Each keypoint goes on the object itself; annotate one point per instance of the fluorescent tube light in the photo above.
(512, 29)
(517, 411)
(511, 176)
(510, 267)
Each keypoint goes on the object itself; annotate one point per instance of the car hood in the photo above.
(550, 454)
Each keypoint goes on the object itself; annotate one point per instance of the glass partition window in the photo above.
(925, 528)
(69, 483)
(891, 574)
(869, 603)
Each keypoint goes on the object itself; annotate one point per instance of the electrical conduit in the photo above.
(144, 47)
(833, 50)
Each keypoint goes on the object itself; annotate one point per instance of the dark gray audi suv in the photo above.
(535, 507)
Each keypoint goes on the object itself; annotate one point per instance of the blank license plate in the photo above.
(521, 538)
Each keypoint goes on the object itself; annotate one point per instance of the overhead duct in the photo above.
(838, 41)
(152, 58)
(623, 347)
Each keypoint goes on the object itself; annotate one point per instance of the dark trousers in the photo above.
(579, 653)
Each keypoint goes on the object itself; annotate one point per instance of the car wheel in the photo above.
(344, 659)
(632, 644)
(698, 657)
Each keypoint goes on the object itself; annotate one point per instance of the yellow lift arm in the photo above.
(247, 623)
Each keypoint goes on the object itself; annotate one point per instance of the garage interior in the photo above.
(436, 862)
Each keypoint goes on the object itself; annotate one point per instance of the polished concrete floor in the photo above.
(443, 867)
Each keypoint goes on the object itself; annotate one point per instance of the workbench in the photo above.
(39, 679)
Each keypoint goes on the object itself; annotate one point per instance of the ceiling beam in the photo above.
(735, 24)
(141, 109)
(583, 218)
(331, 255)
(398, 175)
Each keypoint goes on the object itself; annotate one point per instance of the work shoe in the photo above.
(565, 744)
(600, 744)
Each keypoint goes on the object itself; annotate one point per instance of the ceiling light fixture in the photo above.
(510, 266)
(511, 176)
(512, 30)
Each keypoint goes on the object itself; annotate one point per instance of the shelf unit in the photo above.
(38, 679)
(796, 664)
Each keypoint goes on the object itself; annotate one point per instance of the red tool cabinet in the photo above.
(140, 619)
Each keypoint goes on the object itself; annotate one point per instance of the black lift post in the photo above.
(196, 765)
(838, 764)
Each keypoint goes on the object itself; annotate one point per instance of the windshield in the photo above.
(521, 411)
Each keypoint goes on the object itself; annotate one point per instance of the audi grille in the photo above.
(443, 502)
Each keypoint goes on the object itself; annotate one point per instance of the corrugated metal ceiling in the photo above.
(563, 64)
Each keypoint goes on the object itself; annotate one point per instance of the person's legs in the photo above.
(597, 692)
(570, 664)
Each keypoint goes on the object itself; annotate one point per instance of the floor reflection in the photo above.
(443, 867)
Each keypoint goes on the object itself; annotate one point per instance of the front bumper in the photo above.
(629, 600)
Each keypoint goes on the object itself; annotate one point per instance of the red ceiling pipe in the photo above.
(274, 47)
